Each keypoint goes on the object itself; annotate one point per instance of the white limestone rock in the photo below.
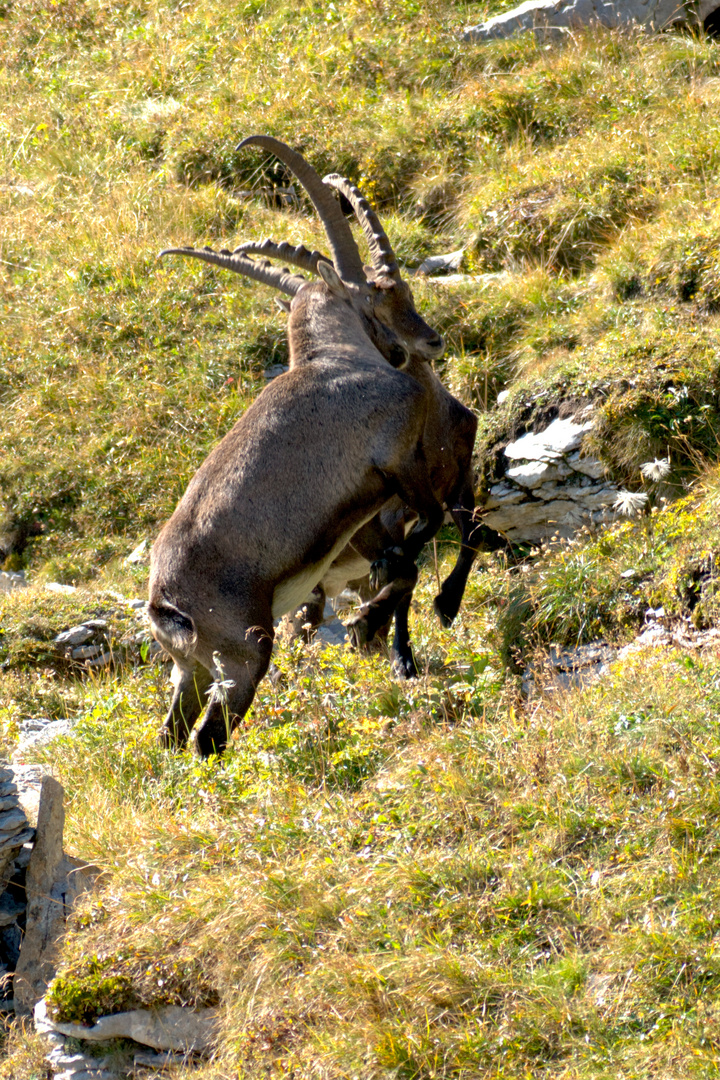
(40, 736)
(536, 473)
(558, 438)
(547, 18)
(172, 1027)
(590, 467)
(440, 264)
(504, 495)
(10, 581)
(536, 521)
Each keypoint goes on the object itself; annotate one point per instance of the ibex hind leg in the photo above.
(191, 682)
(239, 672)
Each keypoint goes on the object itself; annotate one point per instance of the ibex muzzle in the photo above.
(317, 455)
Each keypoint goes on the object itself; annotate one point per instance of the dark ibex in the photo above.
(314, 458)
(450, 427)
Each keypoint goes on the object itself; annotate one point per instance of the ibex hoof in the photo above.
(444, 611)
(404, 667)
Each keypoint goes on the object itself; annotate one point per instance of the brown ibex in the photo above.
(314, 458)
(450, 427)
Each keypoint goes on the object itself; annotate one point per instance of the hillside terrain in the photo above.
(431, 879)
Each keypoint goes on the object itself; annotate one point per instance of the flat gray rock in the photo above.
(169, 1028)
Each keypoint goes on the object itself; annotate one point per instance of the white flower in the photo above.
(657, 469)
(630, 503)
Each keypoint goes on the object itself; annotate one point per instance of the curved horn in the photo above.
(381, 251)
(346, 256)
(297, 256)
(258, 269)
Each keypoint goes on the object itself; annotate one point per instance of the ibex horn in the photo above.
(381, 252)
(258, 269)
(297, 256)
(345, 254)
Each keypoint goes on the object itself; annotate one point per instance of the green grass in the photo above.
(429, 880)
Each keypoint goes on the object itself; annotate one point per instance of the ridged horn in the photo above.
(381, 252)
(258, 269)
(296, 256)
(345, 254)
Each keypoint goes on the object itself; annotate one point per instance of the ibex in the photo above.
(314, 458)
(450, 427)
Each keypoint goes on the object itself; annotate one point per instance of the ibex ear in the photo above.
(284, 305)
(331, 278)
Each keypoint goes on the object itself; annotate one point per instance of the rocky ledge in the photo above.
(548, 488)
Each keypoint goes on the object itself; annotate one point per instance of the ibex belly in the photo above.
(294, 591)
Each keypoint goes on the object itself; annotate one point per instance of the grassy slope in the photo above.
(420, 881)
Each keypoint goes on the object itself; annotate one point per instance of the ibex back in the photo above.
(316, 456)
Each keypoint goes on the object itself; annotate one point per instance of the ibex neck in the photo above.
(320, 325)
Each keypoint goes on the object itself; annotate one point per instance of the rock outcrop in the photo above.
(38, 883)
(548, 489)
(555, 17)
(53, 880)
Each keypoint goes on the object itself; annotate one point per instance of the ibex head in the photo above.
(394, 305)
(379, 293)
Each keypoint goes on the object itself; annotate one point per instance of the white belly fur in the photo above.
(292, 593)
(337, 577)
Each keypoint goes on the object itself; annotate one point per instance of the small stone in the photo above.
(86, 652)
(438, 264)
(536, 473)
(73, 1062)
(9, 581)
(57, 587)
(139, 554)
(23, 857)
(100, 661)
(76, 635)
(274, 370)
(137, 605)
(16, 840)
(157, 1061)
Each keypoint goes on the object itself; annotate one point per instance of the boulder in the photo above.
(554, 17)
(53, 881)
